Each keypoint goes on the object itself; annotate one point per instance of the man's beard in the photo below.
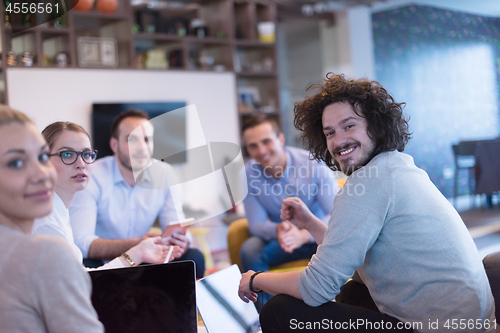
(124, 161)
(364, 160)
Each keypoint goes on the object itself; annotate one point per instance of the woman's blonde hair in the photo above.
(52, 132)
(8, 116)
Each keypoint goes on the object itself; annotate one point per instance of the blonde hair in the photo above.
(52, 132)
(8, 116)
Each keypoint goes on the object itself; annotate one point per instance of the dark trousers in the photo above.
(191, 254)
(356, 313)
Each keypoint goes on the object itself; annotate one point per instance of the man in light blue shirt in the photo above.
(277, 172)
(114, 212)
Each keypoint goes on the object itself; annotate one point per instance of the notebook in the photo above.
(221, 308)
(152, 298)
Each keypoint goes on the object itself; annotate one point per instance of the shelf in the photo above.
(231, 43)
(9, 30)
(176, 38)
(170, 69)
(98, 15)
(21, 66)
(97, 22)
(53, 30)
(256, 112)
(258, 74)
(54, 66)
(253, 43)
(181, 9)
(207, 40)
(159, 36)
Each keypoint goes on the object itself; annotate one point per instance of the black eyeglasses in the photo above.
(69, 157)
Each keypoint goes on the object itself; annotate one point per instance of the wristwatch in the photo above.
(130, 261)
(250, 284)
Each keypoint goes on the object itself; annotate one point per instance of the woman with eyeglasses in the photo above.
(72, 156)
(43, 288)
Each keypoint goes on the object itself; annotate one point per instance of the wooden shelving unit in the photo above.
(230, 42)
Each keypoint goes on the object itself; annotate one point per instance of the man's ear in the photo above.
(113, 143)
(281, 136)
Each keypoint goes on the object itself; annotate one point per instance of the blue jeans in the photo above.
(258, 255)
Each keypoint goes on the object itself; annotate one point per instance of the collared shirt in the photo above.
(110, 208)
(57, 224)
(308, 180)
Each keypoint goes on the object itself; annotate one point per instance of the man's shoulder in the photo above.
(390, 164)
(302, 157)
(392, 159)
(297, 152)
(252, 166)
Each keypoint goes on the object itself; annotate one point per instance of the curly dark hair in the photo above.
(386, 124)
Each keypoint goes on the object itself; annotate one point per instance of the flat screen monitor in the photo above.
(171, 137)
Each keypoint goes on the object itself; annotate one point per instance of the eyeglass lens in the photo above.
(70, 156)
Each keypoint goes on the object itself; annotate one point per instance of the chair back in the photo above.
(464, 154)
(237, 234)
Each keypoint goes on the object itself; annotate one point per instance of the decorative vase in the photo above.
(107, 6)
(84, 5)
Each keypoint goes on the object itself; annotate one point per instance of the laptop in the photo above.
(221, 308)
(151, 298)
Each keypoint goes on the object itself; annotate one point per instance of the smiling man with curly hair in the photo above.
(417, 268)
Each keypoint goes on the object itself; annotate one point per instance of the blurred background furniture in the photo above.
(463, 153)
(487, 169)
(480, 159)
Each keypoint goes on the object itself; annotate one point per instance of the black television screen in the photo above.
(171, 137)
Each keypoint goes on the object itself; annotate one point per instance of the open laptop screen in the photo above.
(153, 298)
(221, 308)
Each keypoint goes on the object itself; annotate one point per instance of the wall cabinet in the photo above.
(210, 35)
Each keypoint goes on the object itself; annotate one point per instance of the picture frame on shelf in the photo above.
(97, 52)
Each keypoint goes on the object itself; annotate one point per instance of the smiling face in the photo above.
(347, 137)
(74, 177)
(132, 151)
(265, 146)
(26, 176)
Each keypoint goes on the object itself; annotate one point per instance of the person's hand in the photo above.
(295, 210)
(178, 239)
(152, 251)
(282, 228)
(244, 289)
(290, 237)
(150, 234)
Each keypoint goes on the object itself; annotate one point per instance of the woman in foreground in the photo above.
(43, 289)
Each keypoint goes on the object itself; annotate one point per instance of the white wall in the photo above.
(347, 45)
(300, 60)
(335, 45)
(48, 95)
(361, 42)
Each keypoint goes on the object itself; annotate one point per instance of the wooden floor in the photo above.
(484, 227)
